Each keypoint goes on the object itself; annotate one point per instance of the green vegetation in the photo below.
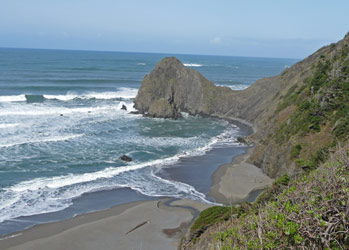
(322, 102)
(211, 216)
(295, 150)
(312, 213)
(309, 211)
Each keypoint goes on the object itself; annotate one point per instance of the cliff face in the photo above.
(294, 112)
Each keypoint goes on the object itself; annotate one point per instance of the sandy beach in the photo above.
(138, 225)
(235, 181)
(158, 224)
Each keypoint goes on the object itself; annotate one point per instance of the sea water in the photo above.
(62, 129)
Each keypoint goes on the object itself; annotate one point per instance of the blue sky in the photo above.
(264, 28)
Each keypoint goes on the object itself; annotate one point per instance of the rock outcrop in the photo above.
(125, 158)
(268, 105)
(172, 88)
(163, 108)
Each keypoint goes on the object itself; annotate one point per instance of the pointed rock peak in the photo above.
(170, 62)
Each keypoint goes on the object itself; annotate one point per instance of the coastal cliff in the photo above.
(296, 113)
(301, 138)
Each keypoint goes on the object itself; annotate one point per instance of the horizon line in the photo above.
(142, 52)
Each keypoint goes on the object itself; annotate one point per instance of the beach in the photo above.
(238, 181)
(156, 224)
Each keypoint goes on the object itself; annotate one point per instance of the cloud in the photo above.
(216, 40)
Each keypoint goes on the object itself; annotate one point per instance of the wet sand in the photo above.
(235, 182)
(138, 225)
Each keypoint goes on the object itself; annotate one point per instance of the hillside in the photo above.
(301, 116)
(298, 130)
(302, 125)
(308, 116)
(309, 211)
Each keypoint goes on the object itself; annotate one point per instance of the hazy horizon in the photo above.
(255, 29)
(142, 52)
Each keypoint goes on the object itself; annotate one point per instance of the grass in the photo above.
(309, 210)
(322, 100)
(210, 216)
(310, 213)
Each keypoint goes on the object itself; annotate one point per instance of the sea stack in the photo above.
(172, 88)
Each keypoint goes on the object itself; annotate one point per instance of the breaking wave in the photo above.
(122, 93)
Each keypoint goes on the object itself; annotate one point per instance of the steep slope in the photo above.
(299, 114)
(301, 126)
(308, 116)
(309, 211)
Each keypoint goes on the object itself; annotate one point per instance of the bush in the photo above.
(312, 213)
(210, 216)
(295, 151)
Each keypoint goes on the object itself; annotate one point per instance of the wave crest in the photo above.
(13, 98)
(121, 93)
(192, 65)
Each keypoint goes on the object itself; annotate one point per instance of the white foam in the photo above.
(192, 65)
(8, 125)
(66, 180)
(235, 87)
(185, 115)
(71, 179)
(45, 199)
(13, 98)
(123, 93)
(47, 110)
(11, 236)
(129, 106)
(49, 194)
(141, 64)
(127, 93)
(67, 97)
(50, 139)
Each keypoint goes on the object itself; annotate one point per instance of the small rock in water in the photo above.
(125, 158)
(123, 107)
(61, 115)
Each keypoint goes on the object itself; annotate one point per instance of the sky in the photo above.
(258, 28)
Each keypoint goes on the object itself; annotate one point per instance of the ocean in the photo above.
(62, 131)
